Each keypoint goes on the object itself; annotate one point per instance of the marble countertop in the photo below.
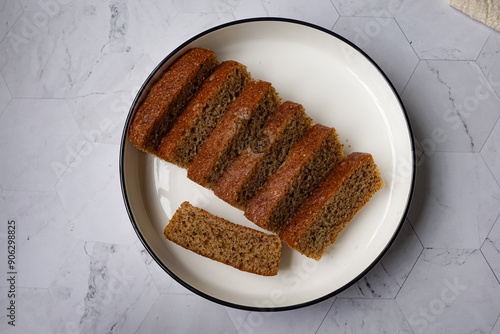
(68, 73)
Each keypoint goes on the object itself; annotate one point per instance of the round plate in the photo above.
(341, 87)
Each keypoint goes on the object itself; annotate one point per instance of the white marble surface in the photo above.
(68, 72)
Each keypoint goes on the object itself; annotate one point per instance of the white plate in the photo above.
(340, 87)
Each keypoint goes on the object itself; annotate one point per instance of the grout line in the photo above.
(409, 273)
(69, 164)
(414, 231)
(487, 166)
(13, 24)
(6, 106)
(336, 21)
(151, 308)
(326, 314)
(366, 298)
(410, 77)
(497, 123)
(404, 316)
(6, 85)
(488, 263)
(482, 48)
(492, 328)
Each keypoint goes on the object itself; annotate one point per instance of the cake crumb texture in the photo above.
(243, 121)
(332, 205)
(306, 165)
(169, 97)
(221, 240)
(183, 142)
(251, 169)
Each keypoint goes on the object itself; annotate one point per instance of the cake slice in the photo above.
(221, 240)
(242, 122)
(256, 163)
(307, 164)
(194, 125)
(169, 97)
(332, 205)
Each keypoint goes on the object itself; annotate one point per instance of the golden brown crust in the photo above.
(207, 164)
(194, 112)
(169, 96)
(305, 217)
(279, 121)
(302, 220)
(236, 179)
(221, 240)
(262, 208)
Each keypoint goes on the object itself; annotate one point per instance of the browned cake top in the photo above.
(238, 115)
(261, 206)
(279, 120)
(312, 206)
(237, 175)
(165, 91)
(195, 107)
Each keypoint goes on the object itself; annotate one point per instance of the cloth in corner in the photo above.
(485, 11)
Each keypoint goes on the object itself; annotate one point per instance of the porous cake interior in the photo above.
(206, 121)
(311, 174)
(353, 193)
(186, 94)
(274, 153)
(169, 97)
(266, 107)
(218, 239)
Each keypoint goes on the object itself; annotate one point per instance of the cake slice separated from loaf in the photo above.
(246, 175)
(183, 142)
(307, 164)
(221, 240)
(242, 122)
(169, 97)
(332, 205)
